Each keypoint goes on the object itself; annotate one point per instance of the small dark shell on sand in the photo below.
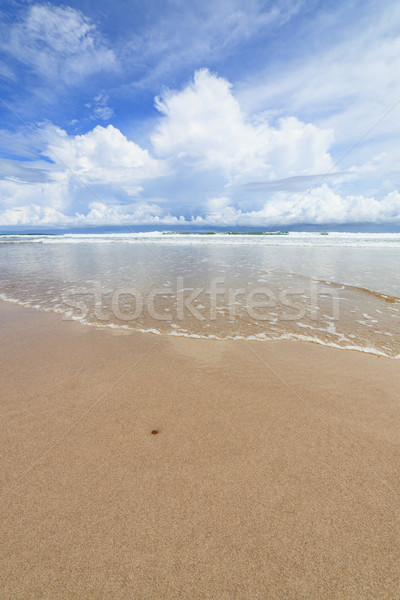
(154, 431)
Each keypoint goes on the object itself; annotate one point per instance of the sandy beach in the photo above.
(274, 472)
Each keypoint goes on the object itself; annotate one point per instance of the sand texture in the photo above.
(274, 472)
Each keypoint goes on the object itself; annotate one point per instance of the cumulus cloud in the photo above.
(58, 43)
(33, 215)
(204, 126)
(33, 203)
(259, 172)
(101, 166)
(96, 212)
(140, 213)
(321, 206)
(102, 156)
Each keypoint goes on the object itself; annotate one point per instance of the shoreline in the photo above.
(175, 334)
(274, 472)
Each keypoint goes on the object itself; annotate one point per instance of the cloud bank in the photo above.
(208, 162)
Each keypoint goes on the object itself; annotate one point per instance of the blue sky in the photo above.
(219, 113)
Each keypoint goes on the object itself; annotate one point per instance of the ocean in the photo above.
(337, 289)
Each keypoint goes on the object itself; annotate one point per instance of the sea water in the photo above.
(338, 289)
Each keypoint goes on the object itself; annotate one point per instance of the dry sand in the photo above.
(274, 473)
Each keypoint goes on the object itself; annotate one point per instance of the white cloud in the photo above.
(96, 213)
(136, 214)
(320, 206)
(58, 43)
(14, 193)
(226, 161)
(27, 203)
(348, 85)
(102, 156)
(204, 126)
(102, 164)
(101, 111)
(33, 215)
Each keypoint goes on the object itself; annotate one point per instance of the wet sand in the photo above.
(274, 472)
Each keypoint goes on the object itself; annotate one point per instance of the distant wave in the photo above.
(304, 239)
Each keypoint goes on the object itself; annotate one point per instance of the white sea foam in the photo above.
(184, 333)
(305, 239)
